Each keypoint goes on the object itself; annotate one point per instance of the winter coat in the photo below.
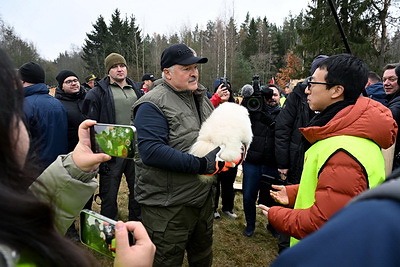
(262, 148)
(341, 177)
(73, 104)
(47, 124)
(393, 103)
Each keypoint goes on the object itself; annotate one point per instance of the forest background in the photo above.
(236, 50)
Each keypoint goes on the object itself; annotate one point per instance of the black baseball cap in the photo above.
(148, 76)
(179, 54)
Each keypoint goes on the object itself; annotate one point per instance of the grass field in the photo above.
(230, 247)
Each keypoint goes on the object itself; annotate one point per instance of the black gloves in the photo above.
(211, 163)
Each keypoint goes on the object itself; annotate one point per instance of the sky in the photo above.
(55, 26)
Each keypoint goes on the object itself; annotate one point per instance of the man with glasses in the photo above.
(71, 94)
(391, 86)
(344, 156)
(110, 101)
(46, 118)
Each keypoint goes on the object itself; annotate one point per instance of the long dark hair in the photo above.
(27, 224)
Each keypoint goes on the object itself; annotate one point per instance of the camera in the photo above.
(254, 95)
(226, 83)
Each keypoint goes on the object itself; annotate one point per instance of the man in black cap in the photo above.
(177, 208)
(110, 102)
(46, 117)
(89, 82)
(147, 82)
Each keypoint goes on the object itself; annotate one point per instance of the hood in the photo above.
(39, 88)
(366, 118)
(299, 89)
(376, 90)
(60, 94)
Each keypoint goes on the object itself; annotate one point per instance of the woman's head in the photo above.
(14, 140)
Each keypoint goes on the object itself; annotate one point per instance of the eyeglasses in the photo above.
(309, 83)
(71, 81)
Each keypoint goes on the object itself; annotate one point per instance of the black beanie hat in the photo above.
(32, 72)
(63, 75)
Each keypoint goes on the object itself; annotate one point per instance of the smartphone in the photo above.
(98, 232)
(114, 140)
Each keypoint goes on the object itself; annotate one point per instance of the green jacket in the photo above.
(160, 187)
(69, 188)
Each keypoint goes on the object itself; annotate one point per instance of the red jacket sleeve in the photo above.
(291, 191)
(215, 100)
(341, 179)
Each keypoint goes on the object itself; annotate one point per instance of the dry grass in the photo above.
(230, 247)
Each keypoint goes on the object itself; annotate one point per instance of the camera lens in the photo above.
(253, 104)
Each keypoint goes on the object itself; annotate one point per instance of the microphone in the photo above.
(247, 90)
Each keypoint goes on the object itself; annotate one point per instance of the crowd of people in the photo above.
(312, 153)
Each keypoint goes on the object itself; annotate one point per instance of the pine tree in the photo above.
(96, 47)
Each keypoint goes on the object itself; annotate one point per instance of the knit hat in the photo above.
(316, 62)
(113, 59)
(32, 72)
(90, 77)
(179, 54)
(63, 75)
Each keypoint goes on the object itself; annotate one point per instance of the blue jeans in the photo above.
(252, 176)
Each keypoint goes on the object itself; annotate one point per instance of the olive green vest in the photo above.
(365, 151)
(159, 187)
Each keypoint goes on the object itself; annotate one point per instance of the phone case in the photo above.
(114, 140)
(98, 232)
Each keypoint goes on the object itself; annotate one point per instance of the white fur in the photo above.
(228, 126)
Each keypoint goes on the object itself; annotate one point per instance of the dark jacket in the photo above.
(73, 104)
(295, 113)
(99, 101)
(393, 103)
(262, 148)
(47, 124)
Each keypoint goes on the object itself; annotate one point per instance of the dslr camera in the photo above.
(255, 101)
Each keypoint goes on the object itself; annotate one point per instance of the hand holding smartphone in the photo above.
(98, 232)
(114, 140)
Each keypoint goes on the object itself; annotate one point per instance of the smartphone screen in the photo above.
(114, 140)
(98, 232)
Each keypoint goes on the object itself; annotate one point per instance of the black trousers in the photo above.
(224, 186)
(110, 180)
